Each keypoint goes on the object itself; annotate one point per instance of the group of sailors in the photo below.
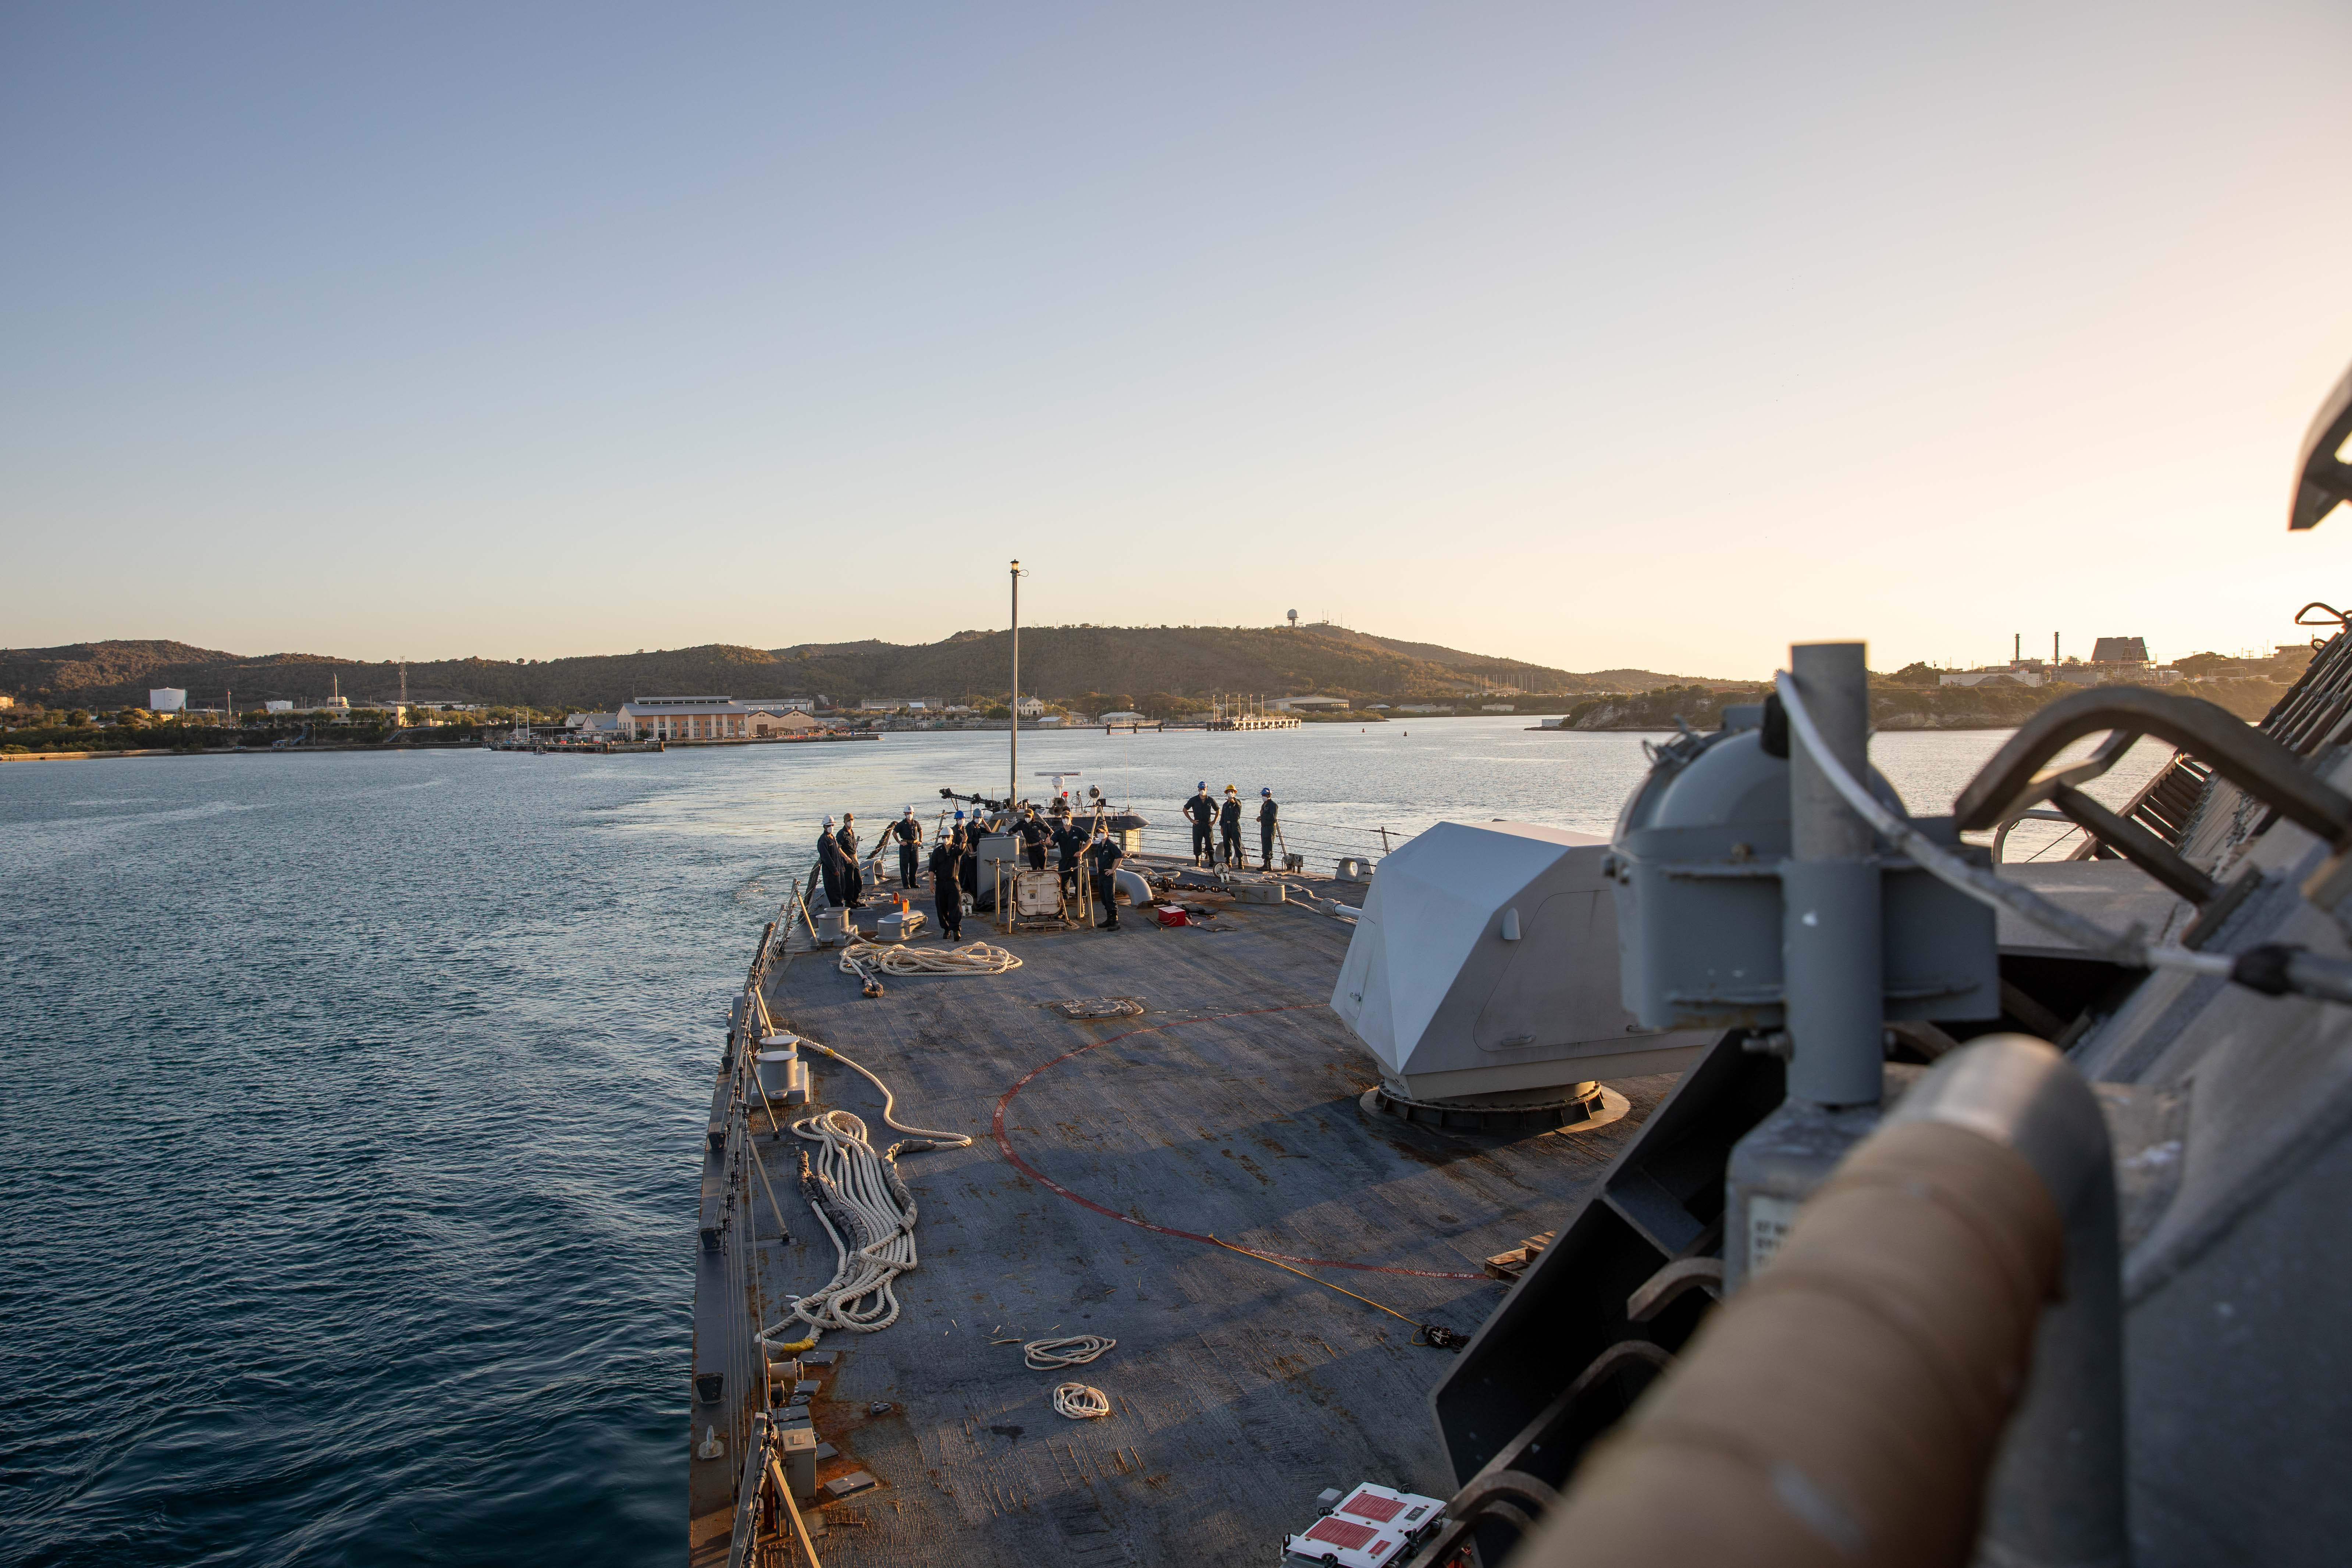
(1080, 843)
(1214, 820)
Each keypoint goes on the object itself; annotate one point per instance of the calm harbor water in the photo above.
(351, 1118)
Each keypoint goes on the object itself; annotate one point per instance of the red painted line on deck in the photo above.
(1033, 1174)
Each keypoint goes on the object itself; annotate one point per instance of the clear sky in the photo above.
(1658, 335)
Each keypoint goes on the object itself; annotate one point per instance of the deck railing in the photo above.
(728, 1293)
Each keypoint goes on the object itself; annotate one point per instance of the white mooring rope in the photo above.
(864, 1207)
(1045, 1355)
(1079, 1403)
(861, 958)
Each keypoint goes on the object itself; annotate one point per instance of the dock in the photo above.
(1111, 1155)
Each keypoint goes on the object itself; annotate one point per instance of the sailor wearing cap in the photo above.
(946, 882)
(1266, 811)
(853, 879)
(1229, 819)
(968, 833)
(1202, 813)
(1032, 831)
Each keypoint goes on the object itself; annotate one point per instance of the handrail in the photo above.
(2244, 755)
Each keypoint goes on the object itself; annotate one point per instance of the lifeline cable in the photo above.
(1045, 1355)
(2129, 948)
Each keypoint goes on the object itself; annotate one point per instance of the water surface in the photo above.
(351, 1118)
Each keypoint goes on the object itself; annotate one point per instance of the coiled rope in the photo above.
(1079, 1403)
(869, 961)
(862, 957)
(1045, 1355)
(864, 1206)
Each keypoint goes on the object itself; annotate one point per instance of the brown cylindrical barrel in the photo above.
(1845, 1407)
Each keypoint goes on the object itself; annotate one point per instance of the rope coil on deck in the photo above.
(972, 958)
(870, 960)
(1079, 1403)
(1045, 1355)
(864, 1207)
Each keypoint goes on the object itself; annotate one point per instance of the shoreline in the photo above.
(111, 752)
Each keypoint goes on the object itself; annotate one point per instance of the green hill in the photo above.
(1058, 663)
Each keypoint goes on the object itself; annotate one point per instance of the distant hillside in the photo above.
(1058, 663)
(1897, 706)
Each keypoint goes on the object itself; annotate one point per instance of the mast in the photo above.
(1013, 791)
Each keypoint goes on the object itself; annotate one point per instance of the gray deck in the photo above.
(1239, 1391)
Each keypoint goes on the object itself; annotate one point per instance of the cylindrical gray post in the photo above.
(1830, 939)
(1013, 790)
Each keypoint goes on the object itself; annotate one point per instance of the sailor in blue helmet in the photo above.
(1266, 811)
(909, 834)
(1202, 812)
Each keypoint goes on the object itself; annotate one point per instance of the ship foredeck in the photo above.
(1106, 1154)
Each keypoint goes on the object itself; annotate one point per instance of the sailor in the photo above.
(947, 884)
(973, 832)
(1266, 811)
(1202, 812)
(853, 879)
(1032, 838)
(1070, 843)
(909, 834)
(828, 863)
(1106, 855)
(1229, 819)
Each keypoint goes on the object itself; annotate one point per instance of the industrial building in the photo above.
(714, 718)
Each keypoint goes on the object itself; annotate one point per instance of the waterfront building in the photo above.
(714, 718)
